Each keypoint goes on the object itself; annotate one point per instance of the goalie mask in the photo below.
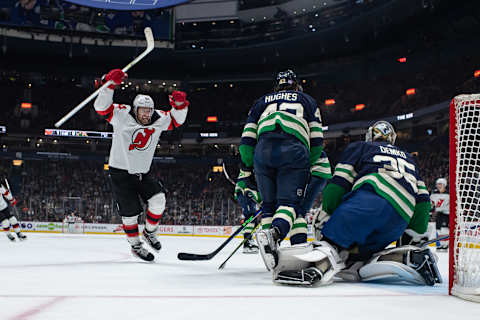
(146, 106)
(381, 131)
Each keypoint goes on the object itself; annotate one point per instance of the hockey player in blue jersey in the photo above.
(376, 193)
(282, 144)
(248, 198)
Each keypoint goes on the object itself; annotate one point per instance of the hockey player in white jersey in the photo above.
(7, 219)
(136, 131)
(441, 206)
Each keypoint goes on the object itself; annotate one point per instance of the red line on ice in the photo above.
(35, 310)
(379, 295)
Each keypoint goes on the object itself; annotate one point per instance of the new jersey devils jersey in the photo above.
(133, 144)
(4, 193)
(440, 202)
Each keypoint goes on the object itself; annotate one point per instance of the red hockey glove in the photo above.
(116, 75)
(178, 100)
(13, 202)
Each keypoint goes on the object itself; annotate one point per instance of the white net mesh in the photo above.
(466, 254)
(73, 226)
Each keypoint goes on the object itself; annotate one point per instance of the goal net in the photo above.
(75, 225)
(464, 273)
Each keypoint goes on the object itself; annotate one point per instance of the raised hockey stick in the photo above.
(208, 256)
(236, 249)
(150, 46)
(226, 174)
(10, 190)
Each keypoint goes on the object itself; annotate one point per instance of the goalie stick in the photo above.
(208, 256)
(150, 46)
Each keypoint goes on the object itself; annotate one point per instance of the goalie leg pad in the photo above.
(407, 264)
(312, 264)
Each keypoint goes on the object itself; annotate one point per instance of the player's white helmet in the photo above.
(381, 130)
(442, 181)
(143, 101)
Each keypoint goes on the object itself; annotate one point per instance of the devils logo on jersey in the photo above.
(141, 139)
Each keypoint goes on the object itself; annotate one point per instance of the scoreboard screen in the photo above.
(78, 134)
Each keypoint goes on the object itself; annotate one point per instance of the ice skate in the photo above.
(139, 251)
(250, 247)
(152, 240)
(10, 237)
(21, 236)
(268, 241)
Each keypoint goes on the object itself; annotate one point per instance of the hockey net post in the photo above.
(464, 252)
(76, 227)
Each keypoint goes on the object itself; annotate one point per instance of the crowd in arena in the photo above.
(49, 190)
(63, 15)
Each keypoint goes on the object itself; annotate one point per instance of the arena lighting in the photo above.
(329, 102)
(411, 92)
(476, 74)
(3, 129)
(217, 169)
(17, 163)
(359, 107)
(212, 119)
(26, 105)
(402, 59)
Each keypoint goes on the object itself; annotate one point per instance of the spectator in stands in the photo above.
(129, 23)
(27, 12)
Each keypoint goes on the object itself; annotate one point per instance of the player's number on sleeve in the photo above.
(294, 108)
(396, 168)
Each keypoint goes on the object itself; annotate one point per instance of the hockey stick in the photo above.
(194, 256)
(429, 242)
(236, 249)
(226, 174)
(150, 46)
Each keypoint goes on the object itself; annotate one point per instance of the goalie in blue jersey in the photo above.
(282, 149)
(376, 193)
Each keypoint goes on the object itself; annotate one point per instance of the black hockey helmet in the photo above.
(287, 80)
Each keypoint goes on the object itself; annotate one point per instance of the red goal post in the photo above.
(464, 252)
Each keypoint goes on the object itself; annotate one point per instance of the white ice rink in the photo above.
(53, 276)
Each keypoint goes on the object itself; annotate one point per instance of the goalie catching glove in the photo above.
(246, 185)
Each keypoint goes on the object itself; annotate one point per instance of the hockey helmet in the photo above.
(442, 181)
(287, 80)
(143, 101)
(381, 130)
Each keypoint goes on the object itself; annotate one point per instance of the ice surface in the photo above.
(53, 276)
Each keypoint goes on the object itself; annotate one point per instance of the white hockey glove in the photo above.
(319, 220)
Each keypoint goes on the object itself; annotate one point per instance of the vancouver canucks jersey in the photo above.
(386, 170)
(293, 112)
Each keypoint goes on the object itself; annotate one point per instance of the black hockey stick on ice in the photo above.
(236, 249)
(208, 256)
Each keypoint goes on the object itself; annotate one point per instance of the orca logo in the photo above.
(141, 139)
